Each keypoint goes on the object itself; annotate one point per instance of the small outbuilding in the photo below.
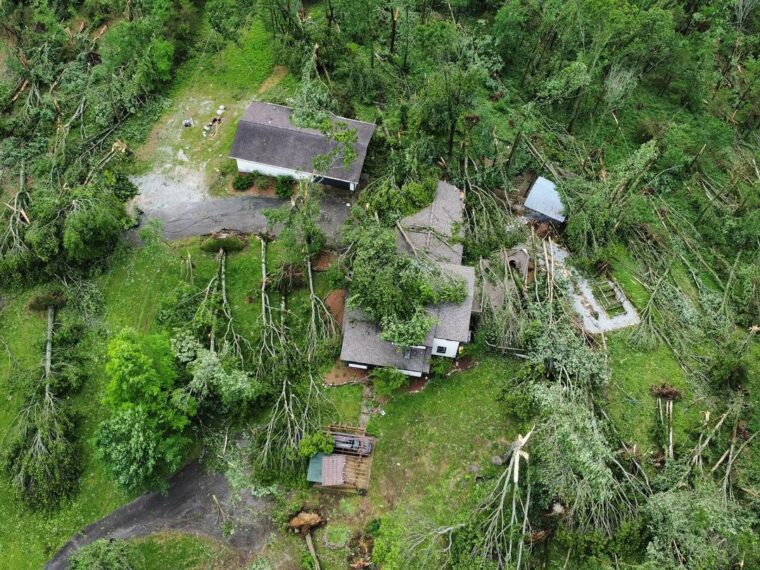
(544, 200)
(268, 143)
(349, 466)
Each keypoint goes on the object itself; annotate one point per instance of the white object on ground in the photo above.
(594, 317)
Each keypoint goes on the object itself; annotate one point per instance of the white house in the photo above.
(267, 142)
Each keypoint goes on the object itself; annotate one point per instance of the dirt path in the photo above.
(278, 74)
(197, 503)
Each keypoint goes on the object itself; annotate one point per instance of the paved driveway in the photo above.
(192, 504)
(243, 213)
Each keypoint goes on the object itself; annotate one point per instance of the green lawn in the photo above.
(631, 405)
(178, 551)
(427, 443)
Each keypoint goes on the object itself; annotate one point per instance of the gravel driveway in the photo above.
(177, 195)
(191, 506)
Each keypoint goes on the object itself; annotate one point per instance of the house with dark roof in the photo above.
(268, 143)
(544, 202)
(430, 233)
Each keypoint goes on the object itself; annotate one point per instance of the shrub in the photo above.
(177, 307)
(387, 381)
(228, 167)
(317, 442)
(243, 182)
(283, 186)
(228, 243)
(440, 367)
(103, 554)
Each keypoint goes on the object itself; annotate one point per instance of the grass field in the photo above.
(132, 290)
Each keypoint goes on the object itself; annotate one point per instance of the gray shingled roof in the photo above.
(544, 199)
(266, 135)
(454, 318)
(362, 344)
(430, 230)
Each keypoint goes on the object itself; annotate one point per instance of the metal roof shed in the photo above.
(544, 199)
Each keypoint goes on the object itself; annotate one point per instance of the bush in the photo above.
(317, 442)
(228, 243)
(103, 554)
(283, 186)
(440, 367)
(228, 168)
(388, 381)
(243, 182)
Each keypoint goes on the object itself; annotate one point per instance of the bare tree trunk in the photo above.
(49, 345)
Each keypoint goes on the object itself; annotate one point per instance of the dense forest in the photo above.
(634, 449)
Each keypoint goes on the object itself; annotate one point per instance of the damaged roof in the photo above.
(431, 229)
(266, 135)
(454, 318)
(362, 344)
(361, 334)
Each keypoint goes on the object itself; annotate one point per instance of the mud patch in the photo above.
(277, 75)
(342, 374)
(336, 304)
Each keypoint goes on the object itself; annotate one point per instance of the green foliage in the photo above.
(137, 449)
(700, 526)
(312, 103)
(395, 289)
(228, 243)
(216, 382)
(393, 202)
(576, 464)
(41, 459)
(103, 554)
(317, 442)
(283, 186)
(143, 441)
(557, 352)
(388, 381)
(243, 182)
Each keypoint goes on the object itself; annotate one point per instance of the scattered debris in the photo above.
(303, 523)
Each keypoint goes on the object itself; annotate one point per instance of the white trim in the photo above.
(451, 347)
(244, 165)
(410, 373)
(360, 366)
(270, 170)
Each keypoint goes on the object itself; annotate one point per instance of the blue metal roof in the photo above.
(544, 199)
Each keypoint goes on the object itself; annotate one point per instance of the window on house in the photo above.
(440, 350)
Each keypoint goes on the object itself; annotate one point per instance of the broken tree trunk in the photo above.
(49, 345)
